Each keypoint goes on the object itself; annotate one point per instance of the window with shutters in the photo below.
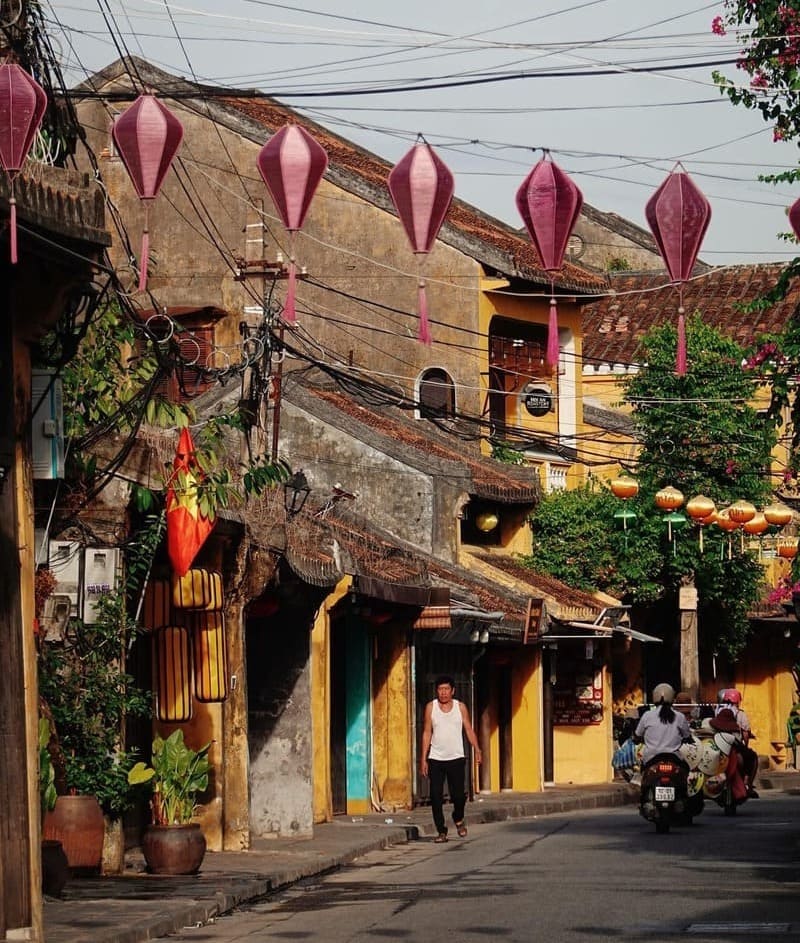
(437, 394)
(189, 377)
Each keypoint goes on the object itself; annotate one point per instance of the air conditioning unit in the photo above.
(47, 433)
(64, 560)
(100, 575)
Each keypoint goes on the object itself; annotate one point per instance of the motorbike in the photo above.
(664, 792)
(730, 791)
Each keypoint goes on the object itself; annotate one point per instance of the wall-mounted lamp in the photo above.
(295, 493)
(474, 636)
(484, 636)
(486, 521)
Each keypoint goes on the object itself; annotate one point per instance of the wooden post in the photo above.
(690, 671)
(20, 868)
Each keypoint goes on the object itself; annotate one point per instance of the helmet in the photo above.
(663, 692)
(732, 696)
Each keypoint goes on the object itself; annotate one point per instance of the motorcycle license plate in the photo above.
(665, 793)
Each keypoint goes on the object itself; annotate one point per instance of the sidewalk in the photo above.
(135, 906)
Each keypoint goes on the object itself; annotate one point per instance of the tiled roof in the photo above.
(613, 326)
(490, 479)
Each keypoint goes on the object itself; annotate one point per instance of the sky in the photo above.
(365, 69)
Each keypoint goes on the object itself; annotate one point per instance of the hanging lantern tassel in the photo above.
(12, 203)
(424, 332)
(680, 352)
(145, 254)
(551, 355)
(289, 307)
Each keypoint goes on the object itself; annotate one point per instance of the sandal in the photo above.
(440, 839)
(462, 829)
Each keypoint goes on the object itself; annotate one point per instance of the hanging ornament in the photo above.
(147, 136)
(22, 107)
(678, 216)
(187, 526)
(421, 187)
(701, 510)
(549, 203)
(291, 165)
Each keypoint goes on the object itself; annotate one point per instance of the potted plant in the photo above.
(173, 844)
(55, 867)
(89, 696)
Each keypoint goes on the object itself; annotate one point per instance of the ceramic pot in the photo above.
(173, 849)
(55, 868)
(78, 823)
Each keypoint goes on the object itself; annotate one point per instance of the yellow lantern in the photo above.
(197, 589)
(669, 498)
(210, 657)
(724, 521)
(778, 515)
(624, 487)
(172, 675)
(486, 521)
(741, 512)
(757, 524)
(787, 547)
(701, 510)
(157, 607)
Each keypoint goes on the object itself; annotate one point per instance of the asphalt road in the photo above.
(573, 878)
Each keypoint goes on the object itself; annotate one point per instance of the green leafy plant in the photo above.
(47, 774)
(178, 776)
(90, 695)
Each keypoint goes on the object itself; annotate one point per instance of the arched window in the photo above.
(437, 394)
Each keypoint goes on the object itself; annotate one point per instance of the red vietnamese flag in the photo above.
(187, 528)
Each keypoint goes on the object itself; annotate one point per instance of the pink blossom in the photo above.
(778, 134)
(718, 26)
(759, 80)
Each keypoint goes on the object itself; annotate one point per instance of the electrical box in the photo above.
(64, 560)
(100, 574)
(47, 432)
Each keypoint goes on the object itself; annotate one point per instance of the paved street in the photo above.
(572, 878)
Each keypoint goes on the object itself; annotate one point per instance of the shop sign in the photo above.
(538, 399)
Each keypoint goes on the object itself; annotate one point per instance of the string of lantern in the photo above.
(741, 516)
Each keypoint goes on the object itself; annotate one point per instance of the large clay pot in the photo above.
(77, 822)
(55, 868)
(173, 849)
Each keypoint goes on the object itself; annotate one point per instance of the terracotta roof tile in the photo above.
(613, 326)
(490, 478)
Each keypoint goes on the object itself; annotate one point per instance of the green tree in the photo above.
(701, 434)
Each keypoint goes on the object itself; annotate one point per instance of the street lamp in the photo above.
(295, 493)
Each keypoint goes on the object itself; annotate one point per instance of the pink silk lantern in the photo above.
(550, 203)
(794, 217)
(22, 107)
(292, 165)
(147, 136)
(678, 216)
(421, 187)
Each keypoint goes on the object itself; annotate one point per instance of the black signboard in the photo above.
(538, 400)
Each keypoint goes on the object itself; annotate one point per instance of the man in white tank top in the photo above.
(442, 754)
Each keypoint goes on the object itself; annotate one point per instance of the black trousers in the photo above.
(453, 772)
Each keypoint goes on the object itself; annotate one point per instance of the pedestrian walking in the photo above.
(445, 724)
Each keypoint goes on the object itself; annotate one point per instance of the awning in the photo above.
(611, 619)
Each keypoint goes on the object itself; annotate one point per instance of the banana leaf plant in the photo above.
(178, 776)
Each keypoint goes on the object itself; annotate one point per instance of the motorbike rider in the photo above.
(730, 700)
(662, 729)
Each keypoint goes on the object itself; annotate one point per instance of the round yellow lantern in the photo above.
(778, 515)
(787, 547)
(702, 511)
(486, 521)
(741, 512)
(757, 524)
(700, 508)
(669, 498)
(725, 522)
(624, 487)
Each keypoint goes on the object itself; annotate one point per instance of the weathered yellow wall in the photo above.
(583, 754)
(527, 721)
(321, 704)
(392, 749)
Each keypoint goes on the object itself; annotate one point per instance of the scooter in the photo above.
(664, 792)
